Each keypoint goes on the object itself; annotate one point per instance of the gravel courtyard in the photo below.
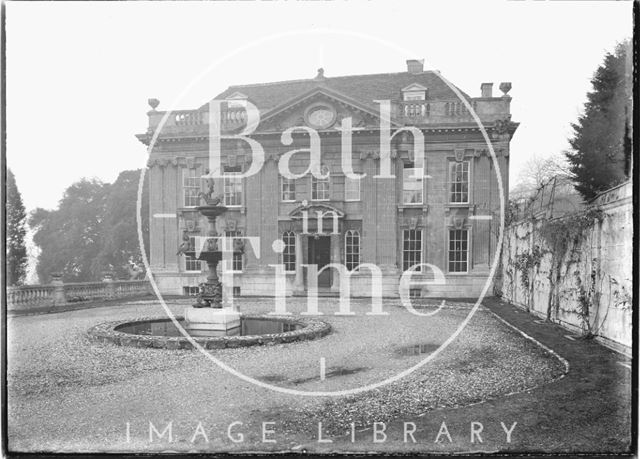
(66, 393)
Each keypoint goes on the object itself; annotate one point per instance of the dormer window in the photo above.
(413, 95)
(237, 99)
(414, 92)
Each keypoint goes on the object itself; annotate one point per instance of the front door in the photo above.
(320, 254)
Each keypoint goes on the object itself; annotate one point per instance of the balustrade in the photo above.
(37, 296)
(439, 111)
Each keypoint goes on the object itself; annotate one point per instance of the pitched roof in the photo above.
(363, 88)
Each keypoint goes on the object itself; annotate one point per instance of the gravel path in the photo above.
(67, 393)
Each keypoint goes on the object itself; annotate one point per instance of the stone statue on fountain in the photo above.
(210, 198)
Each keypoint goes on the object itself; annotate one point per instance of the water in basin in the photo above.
(248, 326)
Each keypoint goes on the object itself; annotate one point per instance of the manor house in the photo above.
(445, 212)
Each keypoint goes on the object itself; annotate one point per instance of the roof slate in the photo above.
(363, 88)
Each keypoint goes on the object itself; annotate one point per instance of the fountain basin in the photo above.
(255, 330)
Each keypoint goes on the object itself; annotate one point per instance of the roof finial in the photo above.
(153, 103)
(320, 75)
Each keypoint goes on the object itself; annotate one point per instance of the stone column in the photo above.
(58, 292)
(335, 258)
(298, 285)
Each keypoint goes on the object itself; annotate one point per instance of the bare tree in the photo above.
(537, 172)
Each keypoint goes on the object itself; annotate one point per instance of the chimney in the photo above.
(415, 66)
(486, 90)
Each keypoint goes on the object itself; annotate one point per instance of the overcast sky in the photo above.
(79, 73)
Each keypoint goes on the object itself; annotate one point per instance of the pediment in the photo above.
(237, 95)
(329, 105)
(312, 210)
(414, 87)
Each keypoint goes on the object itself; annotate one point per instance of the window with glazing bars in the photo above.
(191, 263)
(320, 187)
(412, 187)
(459, 182)
(190, 188)
(289, 254)
(236, 264)
(351, 189)
(458, 251)
(411, 248)
(352, 249)
(288, 189)
(232, 187)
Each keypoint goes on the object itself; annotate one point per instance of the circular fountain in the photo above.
(209, 322)
(162, 333)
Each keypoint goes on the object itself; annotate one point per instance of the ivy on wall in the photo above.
(561, 242)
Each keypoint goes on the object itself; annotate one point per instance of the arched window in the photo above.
(289, 254)
(352, 249)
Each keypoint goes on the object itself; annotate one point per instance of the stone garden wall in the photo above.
(576, 270)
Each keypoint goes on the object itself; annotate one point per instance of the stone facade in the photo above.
(389, 222)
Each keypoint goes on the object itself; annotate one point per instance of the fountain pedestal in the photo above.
(208, 317)
(212, 321)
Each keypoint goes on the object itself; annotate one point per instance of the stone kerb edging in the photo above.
(107, 333)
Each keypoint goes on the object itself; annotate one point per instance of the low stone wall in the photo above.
(108, 333)
(587, 287)
(58, 294)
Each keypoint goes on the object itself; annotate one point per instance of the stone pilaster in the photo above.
(269, 221)
(253, 204)
(170, 187)
(336, 240)
(156, 223)
(481, 194)
(299, 281)
(369, 218)
(386, 216)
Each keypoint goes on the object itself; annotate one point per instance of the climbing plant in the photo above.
(561, 233)
(561, 237)
(526, 262)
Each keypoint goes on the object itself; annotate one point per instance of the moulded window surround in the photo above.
(192, 264)
(414, 95)
(232, 187)
(287, 190)
(412, 245)
(236, 264)
(351, 189)
(459, 182)
(190, 188)
(412, 187)
(352, 249)
(289, 253)
(320, 188)
(458, 251)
